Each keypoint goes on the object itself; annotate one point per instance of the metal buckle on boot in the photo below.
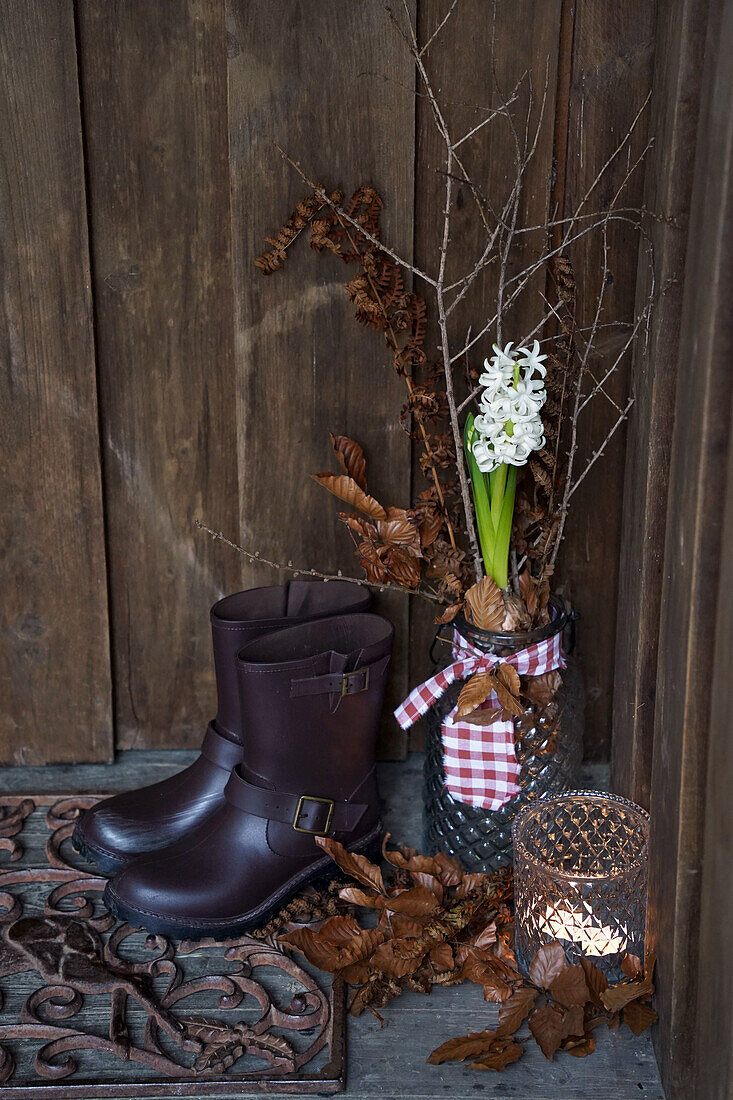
(329, 818)
(347, 682)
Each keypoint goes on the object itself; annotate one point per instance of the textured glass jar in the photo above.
(580, 877)
(482, 839)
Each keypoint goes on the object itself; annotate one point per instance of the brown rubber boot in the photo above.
(145, 820)
(311, 702)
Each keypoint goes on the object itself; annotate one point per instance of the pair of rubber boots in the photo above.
(301, 670)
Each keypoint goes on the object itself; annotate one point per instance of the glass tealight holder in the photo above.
(580, 877)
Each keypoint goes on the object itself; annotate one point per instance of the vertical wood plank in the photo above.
(474, 64)
(613, 48)
(691, 592)
(54, 645)
(333, 85)
(155, 104)
(714, 1044)
(674, 112)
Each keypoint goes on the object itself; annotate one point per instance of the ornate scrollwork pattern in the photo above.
(201, 1011)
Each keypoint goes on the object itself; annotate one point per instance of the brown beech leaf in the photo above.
(548, 964)
(550, 1024)
(506, 686)
(514, 1010)
(528, 591)
(441, 956)
(356, 974)
(546, 1025)
(485, 604)
(430, 882)
(444, 867)
(359, 867)
(400, 529)
(351, 457)
(360, 527)
(618, 996)
(475, 692)
(322, 952)
(500, 1056)
(639, 1016)
(479, 969)
(447, 869)
(346, 488)
(595, 980)
(508, 676)
(402, 567)
(404, 927)
(632, 966)
(390, 960)
(467, 1046)
(417, 902)
(486, 716)
(486, 937)
(570, 987)
(449, 614)
(542, 689)
(355, 896)
(579, 1047)
(473, 883)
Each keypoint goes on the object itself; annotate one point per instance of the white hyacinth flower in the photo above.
(509, 425)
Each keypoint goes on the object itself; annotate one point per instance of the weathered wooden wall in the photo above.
(691, 812)
(156, 375)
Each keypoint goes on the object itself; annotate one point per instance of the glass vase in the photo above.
(580, 877)
(549, 755)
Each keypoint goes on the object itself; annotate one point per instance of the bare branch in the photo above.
(328, 201)
(439, 28)
(597, 454)
(258, 558)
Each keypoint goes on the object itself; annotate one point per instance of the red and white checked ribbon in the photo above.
(481, 766)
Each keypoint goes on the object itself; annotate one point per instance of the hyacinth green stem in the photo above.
(493, 497)
(481, 501)
(500, 563)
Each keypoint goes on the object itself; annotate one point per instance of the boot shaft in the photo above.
(311, 698)
(245, 616)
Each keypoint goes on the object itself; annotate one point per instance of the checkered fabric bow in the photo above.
(480, 764)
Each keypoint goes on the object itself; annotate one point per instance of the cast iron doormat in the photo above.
(90, 1008)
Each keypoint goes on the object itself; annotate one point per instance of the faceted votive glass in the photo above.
(580, 877)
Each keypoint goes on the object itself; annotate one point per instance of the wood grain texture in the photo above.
(333, 86)
(54, 645)
(674, 112)
(155, 108)
(692, 590)
(714, 1045)
(474, 64)
(613, 47)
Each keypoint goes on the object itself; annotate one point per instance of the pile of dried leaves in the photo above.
(440, 925)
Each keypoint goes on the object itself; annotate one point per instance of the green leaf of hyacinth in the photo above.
(500, 570)
(482, 504)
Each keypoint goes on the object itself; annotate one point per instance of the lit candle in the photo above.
(582, 930)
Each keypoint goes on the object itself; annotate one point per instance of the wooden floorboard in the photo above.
(390, 1062)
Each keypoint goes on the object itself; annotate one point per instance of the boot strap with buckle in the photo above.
(340, 684)
(306, 813)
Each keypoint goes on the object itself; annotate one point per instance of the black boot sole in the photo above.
(107, 864)
(370, 846)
